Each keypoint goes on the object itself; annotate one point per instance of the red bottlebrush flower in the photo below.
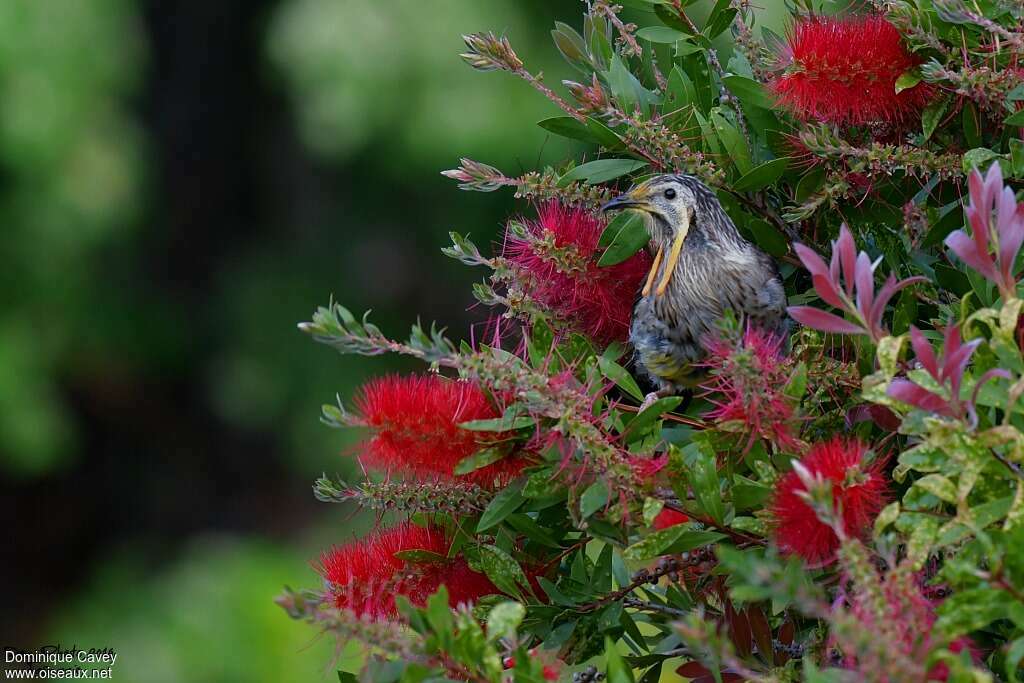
(415, 421)
(858, 489)
(365, 576)
(668, 518)
(844, 71)
(557, 259)
(746, 385)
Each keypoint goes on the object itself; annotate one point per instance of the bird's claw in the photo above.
(649, 400)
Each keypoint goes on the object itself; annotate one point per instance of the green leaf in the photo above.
(748, 494)
(971, 609)
(767, 237)
(661, 34)
(735, 146)
(977, 158)
(503, 620)
(499, 424)
(887, 516)
(630, 236)
(907, 80)
(680, 89)
(502, 569)
(568, 127)
(570, 44)
(480, 459)
(1015, 119)
(939, 486)
(654, 544)
(1017, 158)
(707, 484)
(601, 171)
(721, 17)
(501, 506)
(697, 68)
(749, 91)
(707, 130)
(627, 89)
(421, 556)
(809, 184)
(971, 124)
(604, 135)
(620, 81)
(618, 670)
(694, 539)
(525, 525)
(797, 384)
(1014, 655)
(620, 376)
(593, 499)
(761, 176)
(932, 115)
(652, 506)
(650, 415)
(671, 18)
(675, 539)
(438, 613)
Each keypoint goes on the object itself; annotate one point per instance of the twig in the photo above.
(636, 603)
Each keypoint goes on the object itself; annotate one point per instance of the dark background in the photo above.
(180, 184)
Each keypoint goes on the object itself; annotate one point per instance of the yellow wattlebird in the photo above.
(702, 268)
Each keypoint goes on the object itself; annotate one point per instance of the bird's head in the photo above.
(672, 205)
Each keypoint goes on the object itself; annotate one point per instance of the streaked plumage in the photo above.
(711, 269)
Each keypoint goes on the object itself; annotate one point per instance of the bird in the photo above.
(702, 267)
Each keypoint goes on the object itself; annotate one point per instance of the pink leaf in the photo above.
(967, 249)
(1011, 234)
(865, 284)
(824, 321)
(827, 291)
(954, 365)
(905, 391)
(888, 290)
(847, 251)
(824, 282)
(811, 260)
(924, 352)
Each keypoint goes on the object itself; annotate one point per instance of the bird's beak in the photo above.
(673, 255)
(631, 200)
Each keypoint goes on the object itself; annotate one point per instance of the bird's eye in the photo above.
(670, 193)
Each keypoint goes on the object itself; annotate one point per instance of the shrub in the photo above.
(846, 504)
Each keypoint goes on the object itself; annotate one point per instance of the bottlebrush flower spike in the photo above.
(1004, 231)
(847, 283)
(365, 575)
(844, 71)
(746, 383)
(415, 423)
(556, 256)
(900, 610)
(858, 494)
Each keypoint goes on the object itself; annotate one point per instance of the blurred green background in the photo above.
(181, 183)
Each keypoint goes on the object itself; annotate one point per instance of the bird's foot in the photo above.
(650, 398)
